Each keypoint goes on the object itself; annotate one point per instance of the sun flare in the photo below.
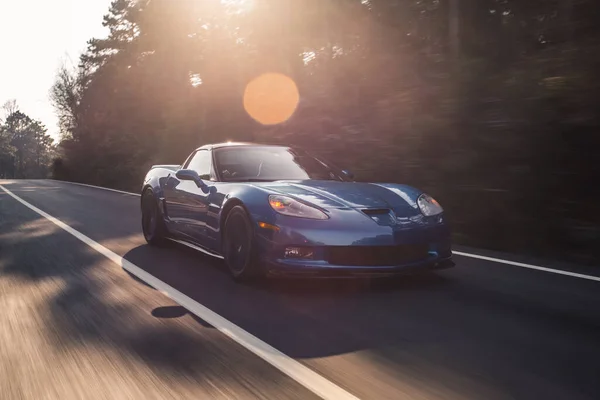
(271, 98)
(239, 6)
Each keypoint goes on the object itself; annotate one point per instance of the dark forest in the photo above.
(489, 105)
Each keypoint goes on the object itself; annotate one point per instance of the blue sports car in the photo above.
(275, 210)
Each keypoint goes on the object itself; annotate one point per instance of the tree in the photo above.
(488, 104)
(65, 96)
(25, 146)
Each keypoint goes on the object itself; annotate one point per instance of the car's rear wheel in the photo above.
(153, 226)
(238, 245)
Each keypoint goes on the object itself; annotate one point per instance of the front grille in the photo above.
(376, 255)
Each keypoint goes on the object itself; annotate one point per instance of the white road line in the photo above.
(523, 265)
(314, 382)
(459, 253)
(99, 187)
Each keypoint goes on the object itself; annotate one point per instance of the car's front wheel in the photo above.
(155, 231)
(238, 245)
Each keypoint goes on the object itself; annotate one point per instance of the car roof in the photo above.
(235, 144)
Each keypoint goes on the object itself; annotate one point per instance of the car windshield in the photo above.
(270, 163)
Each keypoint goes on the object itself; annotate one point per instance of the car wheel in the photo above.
(238, 245)
(155, 231)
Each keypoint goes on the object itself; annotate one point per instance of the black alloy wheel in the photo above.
(238, 245)
(152, 224)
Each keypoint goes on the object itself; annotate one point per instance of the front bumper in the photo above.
(320, 268)
(346, 248)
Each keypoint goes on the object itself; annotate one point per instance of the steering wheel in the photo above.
(227, 174)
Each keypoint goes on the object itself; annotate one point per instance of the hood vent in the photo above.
(376, 211)
(382, 216)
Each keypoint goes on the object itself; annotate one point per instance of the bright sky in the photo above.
(36, 37)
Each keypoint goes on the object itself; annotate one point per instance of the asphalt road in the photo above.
(73, 324)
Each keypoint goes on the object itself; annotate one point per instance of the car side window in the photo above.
(201, 163)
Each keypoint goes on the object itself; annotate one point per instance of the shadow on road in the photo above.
(467, 327)
(90, 308)
(303, 318)
(452, 329)
(169, 312)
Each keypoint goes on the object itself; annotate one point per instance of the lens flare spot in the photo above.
(271, 98)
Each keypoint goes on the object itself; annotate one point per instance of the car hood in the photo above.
(343, 195)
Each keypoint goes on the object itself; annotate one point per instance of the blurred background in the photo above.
(491, 106)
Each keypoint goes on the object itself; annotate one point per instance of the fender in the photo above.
(155, 179)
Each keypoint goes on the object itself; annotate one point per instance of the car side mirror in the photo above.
(349, 174)
(190, 175)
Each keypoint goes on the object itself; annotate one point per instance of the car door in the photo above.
(187, 204)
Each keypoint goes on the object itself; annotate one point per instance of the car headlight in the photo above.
(293, 208)
(429, 206)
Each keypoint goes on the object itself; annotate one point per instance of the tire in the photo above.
(239, 250)
(153, 226)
